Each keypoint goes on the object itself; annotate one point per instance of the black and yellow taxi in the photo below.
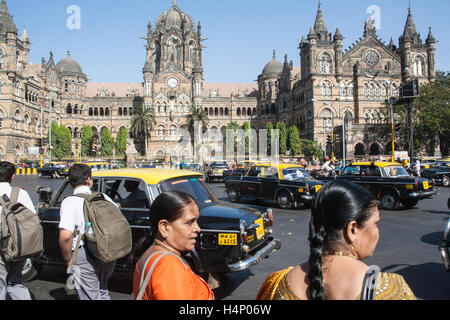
(54, 169)
(389, 182)
(287, 184)
(95, 166)
(440, 172)
(215, 170)
(232, 238)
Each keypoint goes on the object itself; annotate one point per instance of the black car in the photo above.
(389, 182)
(215, 171)
(53, 169)
(440, 172)
(287, 184)
(445, 245)
(232, 238)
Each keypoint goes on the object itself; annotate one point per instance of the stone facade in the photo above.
(329, 84)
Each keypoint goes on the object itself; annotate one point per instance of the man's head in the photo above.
(7, 170)
(79, 174)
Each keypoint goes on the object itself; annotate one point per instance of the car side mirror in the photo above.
(45, 194)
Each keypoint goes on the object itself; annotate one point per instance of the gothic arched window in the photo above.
(325, 63)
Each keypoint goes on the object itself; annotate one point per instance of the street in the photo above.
(408, 245)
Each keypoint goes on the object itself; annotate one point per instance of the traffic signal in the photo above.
(45, 141)
(40, 143)
(398, 127)
(329, 139)
(410, 90)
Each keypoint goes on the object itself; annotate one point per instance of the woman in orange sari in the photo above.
(343, 232)
(161, 273)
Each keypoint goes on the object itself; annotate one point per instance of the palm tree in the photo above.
(198, 117)
(233, 125)
(142, 122)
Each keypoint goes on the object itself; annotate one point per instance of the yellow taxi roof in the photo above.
(377, 163)
(149, 175)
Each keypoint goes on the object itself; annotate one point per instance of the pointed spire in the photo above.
(312, 34)
(274, 55)
(319, 25)
(6, 20)
(303, 41)
(338, 35)
(24, 36)
(410, 27)
(431, 38)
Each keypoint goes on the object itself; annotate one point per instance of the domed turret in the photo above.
(174, 18)
(69, 66)
(273, 69)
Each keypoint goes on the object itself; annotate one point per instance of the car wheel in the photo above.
(445, 181)
(233, 194)
(389, 201)
(284, 200)
(408, 204)
(30, 270)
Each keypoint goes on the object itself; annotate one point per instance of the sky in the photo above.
(241, 34)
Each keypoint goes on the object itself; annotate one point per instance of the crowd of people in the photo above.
(343, 232)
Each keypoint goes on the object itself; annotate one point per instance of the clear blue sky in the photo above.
(241, 33)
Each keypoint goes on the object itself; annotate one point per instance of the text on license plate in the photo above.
(227, 239)
(425, 185)
(260, 232)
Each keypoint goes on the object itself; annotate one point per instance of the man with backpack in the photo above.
(91, 269)
(12, 263)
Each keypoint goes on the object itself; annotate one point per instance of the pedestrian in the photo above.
(417, 167)
(343, 232)
(11, 272)
(90, 275)
(161, 273)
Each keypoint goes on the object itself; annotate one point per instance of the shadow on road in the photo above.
(230, 282)
(428, 281)
(434, 238)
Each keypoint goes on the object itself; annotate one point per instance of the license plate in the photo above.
(227, 239)
(425, 185)
(260, 232)
(318, 188)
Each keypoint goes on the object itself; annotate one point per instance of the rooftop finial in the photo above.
(68, 53)
(174, 3)
(274, 54)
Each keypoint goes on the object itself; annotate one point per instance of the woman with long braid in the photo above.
(343, 232)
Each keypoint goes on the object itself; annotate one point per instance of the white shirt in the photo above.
(72, 215)
(24, 197)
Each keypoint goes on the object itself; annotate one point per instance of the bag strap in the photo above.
(370, 283)
(77, 246)
(14, 194)
(144, 282)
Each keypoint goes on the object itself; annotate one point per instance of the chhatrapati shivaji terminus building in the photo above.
(331, 84)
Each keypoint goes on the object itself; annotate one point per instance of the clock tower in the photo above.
(173, 74)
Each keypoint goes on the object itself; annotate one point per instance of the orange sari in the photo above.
(171, 280)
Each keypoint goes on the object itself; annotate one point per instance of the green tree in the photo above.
(247, 137)
(295, 146)
(61, 141)
(281, 126)
(198, 117)
(107, 143)
(87, 139)
(121, 141)
(432, 118)
(311, 149)
(233, 125)
(269, 128)
(142, 122)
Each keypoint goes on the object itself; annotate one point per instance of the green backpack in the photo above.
(112, 233)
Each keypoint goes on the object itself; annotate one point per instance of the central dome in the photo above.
(68, 65)
(174, 18)
(273, 68)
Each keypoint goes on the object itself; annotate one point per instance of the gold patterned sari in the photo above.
(390, 286)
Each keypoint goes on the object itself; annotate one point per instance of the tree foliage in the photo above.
(107, 143)
(61, 141)
(295, 146)
(281, 126)
(142, 122)
(121, 142)
(269, 128)
(310, 149)
(87, 139)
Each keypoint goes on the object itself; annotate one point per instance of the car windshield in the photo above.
(443, 163)
(395, 171)
(294, 173)
(219, 164)
(194, 187)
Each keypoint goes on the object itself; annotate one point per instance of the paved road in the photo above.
(408, 245)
